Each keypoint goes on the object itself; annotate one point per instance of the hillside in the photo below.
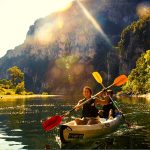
(61, 50)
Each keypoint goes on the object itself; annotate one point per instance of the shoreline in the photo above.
(147, 96)
(27, 96)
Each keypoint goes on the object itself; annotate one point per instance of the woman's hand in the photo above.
(78, 107)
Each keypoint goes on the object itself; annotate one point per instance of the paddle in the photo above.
(120, 80)
(54, 121)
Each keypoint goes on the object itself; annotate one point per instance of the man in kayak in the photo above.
(108, 110)
(90, 113)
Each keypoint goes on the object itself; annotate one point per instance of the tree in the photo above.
(139, 78)
(16, 75)
(20, 88)
(7, 84)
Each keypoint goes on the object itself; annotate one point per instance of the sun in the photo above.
(60, 5)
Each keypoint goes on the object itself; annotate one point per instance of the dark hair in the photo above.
(87, 87)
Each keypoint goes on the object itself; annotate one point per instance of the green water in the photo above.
(20, 126)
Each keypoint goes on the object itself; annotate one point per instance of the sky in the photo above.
(16, 16)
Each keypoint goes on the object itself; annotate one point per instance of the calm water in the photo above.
(20, 126)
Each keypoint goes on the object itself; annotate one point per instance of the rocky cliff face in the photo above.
(61, 50)
(134, 41)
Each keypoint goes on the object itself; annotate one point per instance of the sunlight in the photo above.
(17, 15)
(93, 21)
(143, 10)
(62, 5)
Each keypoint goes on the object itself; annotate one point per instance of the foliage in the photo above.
(1, 90)
(16, 75)
(6, 84)
(9, 93)
(139, 78)
(137, 32)
(29, 93)
(44, 93)
(6, 91)
(20, 88)
(14, 86)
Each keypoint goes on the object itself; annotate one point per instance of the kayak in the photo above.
(70, 132)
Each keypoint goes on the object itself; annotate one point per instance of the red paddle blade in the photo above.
(120, 80)
(54, 121)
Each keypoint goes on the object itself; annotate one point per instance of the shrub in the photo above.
(29, 93)
(44, 93)
(20, 88)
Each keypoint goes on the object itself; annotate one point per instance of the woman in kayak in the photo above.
(90, 113)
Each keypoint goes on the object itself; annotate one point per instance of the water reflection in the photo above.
(97, 143)
(134, 100)
(20, 126)
(9, 141)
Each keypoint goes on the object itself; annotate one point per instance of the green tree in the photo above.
(16, 75)
(20, 88)
(139, 78)
(135, 35)
(7, 84)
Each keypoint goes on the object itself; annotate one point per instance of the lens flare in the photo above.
(93, 21)
(143, 10)
(63, 5)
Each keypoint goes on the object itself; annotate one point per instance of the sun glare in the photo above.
(93, 21)
(143, 10)
(61, 5)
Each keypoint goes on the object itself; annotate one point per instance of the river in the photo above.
(20, 126)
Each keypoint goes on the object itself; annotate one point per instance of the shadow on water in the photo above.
(103, 143)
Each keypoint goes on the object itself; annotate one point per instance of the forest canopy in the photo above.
(139, 78)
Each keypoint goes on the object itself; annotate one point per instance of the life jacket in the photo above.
(106, 109)
(89, 109)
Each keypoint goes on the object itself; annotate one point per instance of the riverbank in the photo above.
(147, 96)
(27, 96)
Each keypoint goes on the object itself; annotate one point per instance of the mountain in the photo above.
(62, 50)
(134, 41)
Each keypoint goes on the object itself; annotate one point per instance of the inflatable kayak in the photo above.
(71, 132)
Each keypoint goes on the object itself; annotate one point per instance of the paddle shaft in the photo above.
(112, 100)
(52, 122)
(119, 110)
(99, 80)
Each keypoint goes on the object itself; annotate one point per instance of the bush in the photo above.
(9, 93)
(139, 78)
(44, 93)
(20, 88)
(29, 93)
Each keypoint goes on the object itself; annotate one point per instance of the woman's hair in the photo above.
(88, 88)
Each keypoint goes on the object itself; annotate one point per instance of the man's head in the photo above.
(110, 92)
(107, 92)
